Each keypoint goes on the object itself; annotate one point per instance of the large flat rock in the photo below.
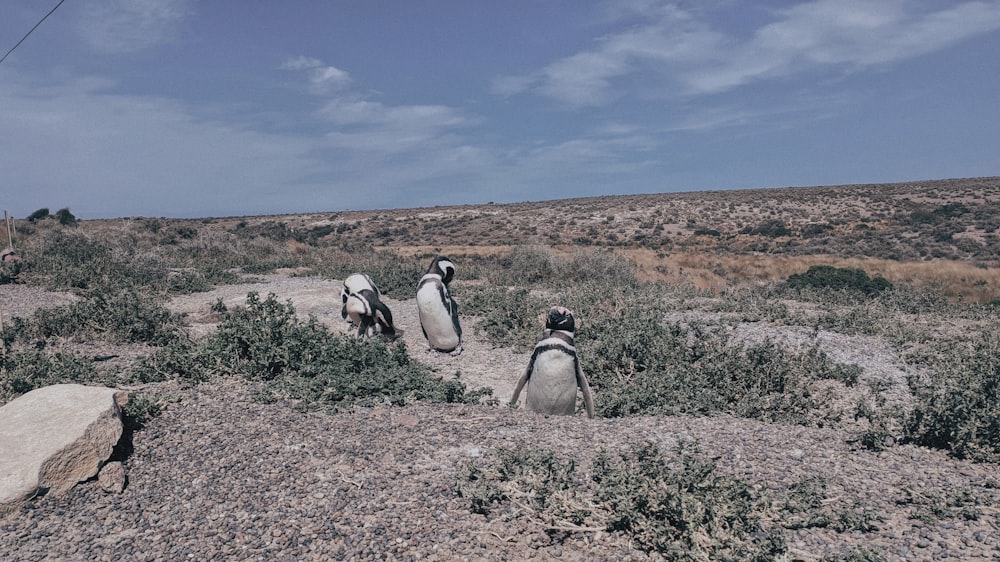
(53, 437)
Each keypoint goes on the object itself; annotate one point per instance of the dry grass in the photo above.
(711, 240)
(716, 272)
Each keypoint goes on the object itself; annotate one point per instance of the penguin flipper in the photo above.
(588, 398)
(520, 385)
(454, 319)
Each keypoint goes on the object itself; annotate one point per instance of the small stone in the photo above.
(408, 420)
(112, 477)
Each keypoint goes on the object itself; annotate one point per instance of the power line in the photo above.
(29, 32)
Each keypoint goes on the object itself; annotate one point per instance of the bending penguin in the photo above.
(363, 307)
(354, 284)
(437, 310)
(554, 372)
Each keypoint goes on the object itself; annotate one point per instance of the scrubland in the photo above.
(869, 311)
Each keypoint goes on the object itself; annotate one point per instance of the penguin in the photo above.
(354, 284)
(554, 371)
(438, 312)
(369, 314)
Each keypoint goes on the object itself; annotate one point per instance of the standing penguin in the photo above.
(554, 372)
(437, 310)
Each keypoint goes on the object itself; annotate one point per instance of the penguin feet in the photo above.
(390, 337)
(454, 353)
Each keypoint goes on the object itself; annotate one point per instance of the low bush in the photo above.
(683, 508)
(9, 271)
(958, 405)
(644, 366)
(530, 266)
(302, 360)
(65, 217)
(840, 279)
(108, 314)
(62, 259)
(509, 317)
(39, 214)
(772, 228)
(679, 506)
(25, 370)
(394, 275)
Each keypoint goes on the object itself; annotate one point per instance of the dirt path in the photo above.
(479, 364)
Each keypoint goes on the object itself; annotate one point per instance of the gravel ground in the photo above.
(220, 477)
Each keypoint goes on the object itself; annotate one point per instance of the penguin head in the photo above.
(444, 267)
(560, 318)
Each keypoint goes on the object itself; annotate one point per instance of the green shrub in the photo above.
(9, 271)
(181, 359)
(804, 507)
(813, 230)
(302, 360)
(839, 278)
(753, 304)
(640, 365)
(535, 266)
(24, 371)
(686, 512)
(772, 228)
(509, 317)
(65, 217)
(600, 266)
(525, 265)
(533, 477)
(141, 409)
(42, 213)
(932, 506)
(70, 260)
(394, 275)
(108, 314)
(958, 405)
(679, 507)
(200, 280)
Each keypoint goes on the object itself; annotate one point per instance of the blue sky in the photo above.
(183, 108)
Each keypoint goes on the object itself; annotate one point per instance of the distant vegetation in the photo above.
(840, 279)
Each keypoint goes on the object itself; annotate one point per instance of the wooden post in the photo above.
(7, 221)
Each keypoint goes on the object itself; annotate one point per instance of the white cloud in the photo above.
(584, 79)
(128, 26)
(361, 124)
(322, 78)
(681, 49)
(849, 34)
(511, 85)
(77, 144)
(354, 111)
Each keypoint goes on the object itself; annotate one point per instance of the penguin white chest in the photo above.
(435, 311)
(552, 384)
(356, 308)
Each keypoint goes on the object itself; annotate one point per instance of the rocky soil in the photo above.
(219, 476)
